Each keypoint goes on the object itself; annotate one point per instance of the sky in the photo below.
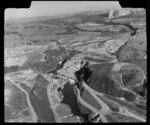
(56, 8)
